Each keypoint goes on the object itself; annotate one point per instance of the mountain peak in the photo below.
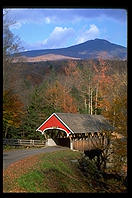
(91, 49)
(101, 40)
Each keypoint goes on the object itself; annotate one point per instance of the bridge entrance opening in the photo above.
(58, 136)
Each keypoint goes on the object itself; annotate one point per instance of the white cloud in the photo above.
(93, 29)
(91, 33)
(47, 20)
(58, 38)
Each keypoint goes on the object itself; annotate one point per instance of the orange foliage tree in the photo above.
(102, 81)
(72, 75)
(58, 97)
(12, 111)
(113, 90)
(117, 113)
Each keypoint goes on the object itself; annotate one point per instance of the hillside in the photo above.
(92, 49)
(25, 76)
(46, 57)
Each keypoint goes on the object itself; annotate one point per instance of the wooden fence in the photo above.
(21, 142)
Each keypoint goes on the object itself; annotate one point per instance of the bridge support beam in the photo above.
(71, 144)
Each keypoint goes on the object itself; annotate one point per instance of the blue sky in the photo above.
(57, 28)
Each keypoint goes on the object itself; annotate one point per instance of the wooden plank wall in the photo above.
(89, 143)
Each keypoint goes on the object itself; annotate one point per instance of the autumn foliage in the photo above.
(12, 110)
(58, 97)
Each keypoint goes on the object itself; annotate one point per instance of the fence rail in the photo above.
(21, 142)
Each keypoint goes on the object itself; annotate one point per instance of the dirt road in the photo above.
(13, 156)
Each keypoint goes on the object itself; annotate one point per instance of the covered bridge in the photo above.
(77, 131)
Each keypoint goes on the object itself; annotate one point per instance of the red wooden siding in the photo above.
(53, 122)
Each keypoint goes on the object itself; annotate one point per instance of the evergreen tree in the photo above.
(34, 116)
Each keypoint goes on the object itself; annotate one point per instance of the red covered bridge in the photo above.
(77, 131)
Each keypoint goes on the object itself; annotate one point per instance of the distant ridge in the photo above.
(91, 49)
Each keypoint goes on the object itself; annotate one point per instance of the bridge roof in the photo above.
(85, 123)
(76, 123)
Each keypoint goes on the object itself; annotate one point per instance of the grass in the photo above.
(31, 181)
(56, 173)
(50, 172)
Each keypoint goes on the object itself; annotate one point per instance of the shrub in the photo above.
(89, 168)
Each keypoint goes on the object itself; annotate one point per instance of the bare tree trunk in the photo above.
(96, 100)
(89, 109)
(64, 98)
(91, 101)
(114, 118)
(89, 104)
(85, 104)
(6, 131)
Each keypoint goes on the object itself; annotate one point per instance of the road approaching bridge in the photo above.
(10, 157)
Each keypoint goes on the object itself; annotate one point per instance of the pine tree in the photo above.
(34, 116)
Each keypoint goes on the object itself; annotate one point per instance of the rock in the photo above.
(74, 161)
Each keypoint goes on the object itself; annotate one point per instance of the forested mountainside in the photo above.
(35, 90)
(25, 76)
